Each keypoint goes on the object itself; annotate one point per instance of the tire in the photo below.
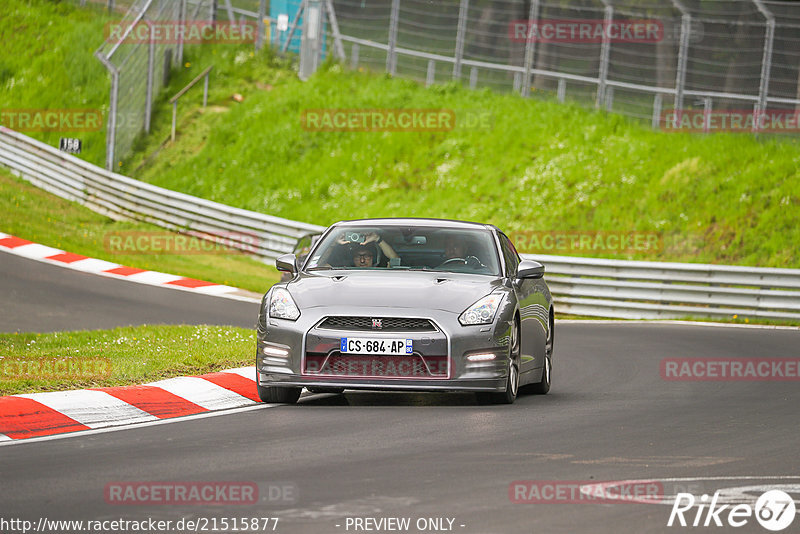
(542, 387)
(285, 395)
(512, 383)
(336, 391)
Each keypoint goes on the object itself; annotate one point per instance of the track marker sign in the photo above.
(70, 145)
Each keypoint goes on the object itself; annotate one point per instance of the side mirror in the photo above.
(530, 269)
(287, 263)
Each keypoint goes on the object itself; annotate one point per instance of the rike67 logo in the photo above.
(774, 510)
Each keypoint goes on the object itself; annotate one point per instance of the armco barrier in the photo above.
(121, 197)
(656, 290)
(581, 286)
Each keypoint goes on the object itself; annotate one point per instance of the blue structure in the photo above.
(290, 8)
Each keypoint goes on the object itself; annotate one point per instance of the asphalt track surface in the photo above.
(609, 416)
(40, 297)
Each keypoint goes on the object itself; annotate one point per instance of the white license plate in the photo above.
(371, 345)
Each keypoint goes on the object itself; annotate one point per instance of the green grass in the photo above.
(734, 319)
(542, 166)
(132, 355)
(38, 216)
(48, 63)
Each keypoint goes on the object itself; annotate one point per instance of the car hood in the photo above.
(452, 292)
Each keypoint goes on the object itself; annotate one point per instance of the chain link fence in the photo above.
(706, 56)
(139, 66)
(141, 49)
(709, 55)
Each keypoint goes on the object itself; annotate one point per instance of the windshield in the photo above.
(407, 247)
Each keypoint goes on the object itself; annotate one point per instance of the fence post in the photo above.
(707, 107)
(111, 125)
(338, 46)
(473, 77)
(766, 61)
(657, 103)
(430, 76)
(391, 64)
(354, 56)
(609, 97)
(683, 55)
(110, 6)
(262, 30)
(462, 29)
(182, 16)
(530, 46)
(605, 52)
(562, 89)
(151, 65)
(311, 38)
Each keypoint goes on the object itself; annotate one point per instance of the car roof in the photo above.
(417, 221)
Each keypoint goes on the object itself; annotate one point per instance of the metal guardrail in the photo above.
(581, 286)
(656, 290)
(125, 198)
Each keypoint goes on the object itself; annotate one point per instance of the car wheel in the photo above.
(512, 384)
(335, 391)
(287, 395)
(544, 386)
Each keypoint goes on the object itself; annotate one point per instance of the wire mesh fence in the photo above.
(146, 42)
(740, 57)
(139, 63)
(700, 59)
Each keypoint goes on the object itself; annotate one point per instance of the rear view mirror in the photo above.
(530, 269)
(287, 263)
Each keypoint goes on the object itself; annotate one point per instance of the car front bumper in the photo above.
(303, 339)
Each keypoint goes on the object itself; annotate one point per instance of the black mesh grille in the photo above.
(388, 324)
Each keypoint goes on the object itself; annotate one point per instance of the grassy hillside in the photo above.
(538, 166)
(38, 216)
(47, 62)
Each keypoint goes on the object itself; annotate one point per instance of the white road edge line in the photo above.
(137, 425)
(677, 322)
(258, 300)
(75, 267)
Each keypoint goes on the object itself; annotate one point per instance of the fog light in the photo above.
(275, 351)
(481, 357)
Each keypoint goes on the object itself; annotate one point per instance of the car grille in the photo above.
(388, 324)
(375, 366)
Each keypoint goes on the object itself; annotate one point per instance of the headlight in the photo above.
(482, 312)
(282, 306)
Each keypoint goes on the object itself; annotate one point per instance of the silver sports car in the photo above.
(407, 304)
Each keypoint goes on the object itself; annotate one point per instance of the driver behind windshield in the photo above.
(359, 249)
(454, 247)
